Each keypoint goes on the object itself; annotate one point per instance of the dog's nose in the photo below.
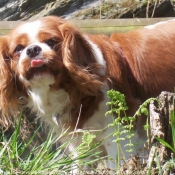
(33, 51)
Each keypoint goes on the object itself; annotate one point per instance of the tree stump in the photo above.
(160, 119)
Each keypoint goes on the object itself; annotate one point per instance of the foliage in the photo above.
(118, 106)
(123, 124)
(16, 159)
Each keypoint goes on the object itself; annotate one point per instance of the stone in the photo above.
(12, 10)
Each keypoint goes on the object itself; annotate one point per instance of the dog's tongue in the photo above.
(37, 63)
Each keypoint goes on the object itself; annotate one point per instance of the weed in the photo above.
(42, 158)
(123, 124)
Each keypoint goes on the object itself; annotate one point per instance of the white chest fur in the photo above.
(48, 104)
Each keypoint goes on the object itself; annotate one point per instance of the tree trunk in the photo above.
(160, 118)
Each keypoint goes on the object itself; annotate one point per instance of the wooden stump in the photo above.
(160, 118)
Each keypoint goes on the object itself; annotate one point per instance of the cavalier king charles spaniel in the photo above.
(62, 74)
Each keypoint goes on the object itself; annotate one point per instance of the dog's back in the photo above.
(150, 53)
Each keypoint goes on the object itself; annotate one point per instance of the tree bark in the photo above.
(160, 119)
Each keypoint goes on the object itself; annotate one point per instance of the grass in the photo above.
(18, 157)
(42, 159)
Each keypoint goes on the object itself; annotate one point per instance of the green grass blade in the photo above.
(30, 140)
(150, 167)
(4, 148)
(17, 129)
(158, 164)
(165, 144)
(173, 126)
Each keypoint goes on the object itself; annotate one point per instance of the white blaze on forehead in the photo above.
(31, 29)
(157, 24)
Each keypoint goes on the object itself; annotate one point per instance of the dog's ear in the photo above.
(8, 90)
(79, 59)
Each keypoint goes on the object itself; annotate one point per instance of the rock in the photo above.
(31, 9)
(12, 10)
(162, 9)
(2, 2)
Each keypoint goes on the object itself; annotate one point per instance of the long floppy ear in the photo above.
(79, 59)
(8, 90)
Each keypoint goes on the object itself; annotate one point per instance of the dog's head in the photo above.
(47, 51)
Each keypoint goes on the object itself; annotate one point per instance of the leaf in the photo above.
(173, 126)
(165, 144)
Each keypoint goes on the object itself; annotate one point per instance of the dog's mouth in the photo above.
(39, 69)
(37, 63)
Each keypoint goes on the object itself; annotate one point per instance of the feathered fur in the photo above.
(62, 74)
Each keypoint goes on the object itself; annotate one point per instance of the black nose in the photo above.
(33, 51)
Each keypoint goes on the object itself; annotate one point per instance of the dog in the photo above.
(62, 75)
(150, 58)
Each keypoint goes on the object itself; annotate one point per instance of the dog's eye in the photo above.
(19, 48)
(51, 42)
